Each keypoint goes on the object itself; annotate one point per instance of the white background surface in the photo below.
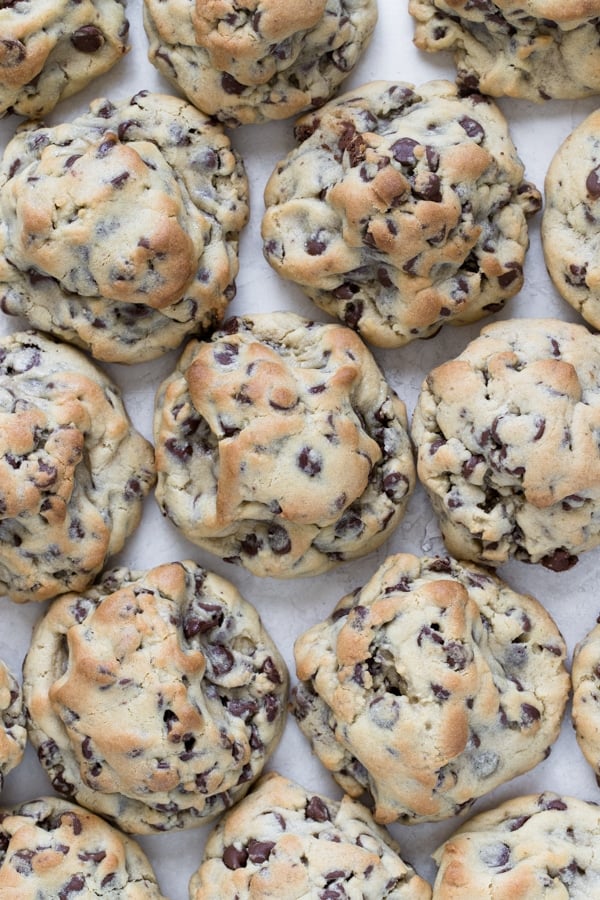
(288, 608)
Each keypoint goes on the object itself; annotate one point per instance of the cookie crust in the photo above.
(13, 735)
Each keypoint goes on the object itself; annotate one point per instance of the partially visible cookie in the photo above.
(508, 450)
(430, 686)
(529, 848)
(73, 471)
(261, 59)
(13, 735)
(585, 676)
(541, 51)
(50, 848)
(280, 446)
(119, 230)
(51, 49)
(285, 842)
(154, 698)
(402, 209)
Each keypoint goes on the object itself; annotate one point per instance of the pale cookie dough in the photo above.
(508, 438)
(155, 698)
(285, 843)
(430, 686)
(119, 231)
(13, 735)
(257, 60)
(537, 51)
(585, 677)
(51, 849)
(50, 49)
(571, 220)
(538, 847)
(281, 447)
(402, 209)
(73, 471)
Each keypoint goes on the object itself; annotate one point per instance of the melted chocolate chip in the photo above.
(87, 39)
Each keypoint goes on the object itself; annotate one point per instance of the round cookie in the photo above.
(530, 848)
(50, 848)
(51, 49)
(154, 698)
(537, 52)
(285, 842)
(571, 220)
(261, 59)
(585, 677)
(281, 447)
(507, 444)
(401, 209)
(73, 471)
(13, 735)
(430, 686)
(119, 231)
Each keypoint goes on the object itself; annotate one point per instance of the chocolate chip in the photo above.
(309, 461)
(221, 659)
(259, 851)
(12, 53)
(403, 151)
(514, 271)
(592, 183)
(495, 855)
(472, 128)
(559, 561)
(75, 884)
(234, 858)
(230, 85)
(315, 247)
(317, 810)
(87, 39)
(529, 714)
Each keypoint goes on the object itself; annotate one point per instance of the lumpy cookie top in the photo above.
(50, 848)
(571, 220)
(285, 842)
(257, 60)
(585, 677)
(280, 446)
(13, 735)
(73, 471)
(155, 698)
(430, 686)
(508, 438)
(529, 848)
(402, 209)
(51, 49)
(537, 51)
(119, 230)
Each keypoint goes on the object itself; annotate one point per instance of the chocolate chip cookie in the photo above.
(13, 735)
(119, 231)
(261, 59)
(531, 847)
(285, 842)
(50, 848)
(585, 676)
(73, 471)
(281, 447)
(537, 52)
(508, 444)
(154, 698)
(430, 686)
(51, 49)
(402, 209)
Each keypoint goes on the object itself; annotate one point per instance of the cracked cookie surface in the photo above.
(585, 678)
(13, 735)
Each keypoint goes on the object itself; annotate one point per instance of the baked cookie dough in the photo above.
(585, 677)
(73, 471)
(508, 451)
(429, 687)
(51, 49)
(50, 848)
(261, 59)
(154, 698)
(571, 219)
(402, 209)
(285, 842)
(119, 231)
(537, 51)
(13, 735)
(529, 848)
(281, 447)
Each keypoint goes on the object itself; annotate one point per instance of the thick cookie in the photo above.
(50, 848)
(571, 220)
(402, 209)
(261, 59)
(13, 735)
(51, 49)
(119, 231)
(529, 848)
(585, 677)
(155, 698)
(537, 52)
(507, 444)
(284, 842)
(73, 471)
(430, 686)
(280, 446)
